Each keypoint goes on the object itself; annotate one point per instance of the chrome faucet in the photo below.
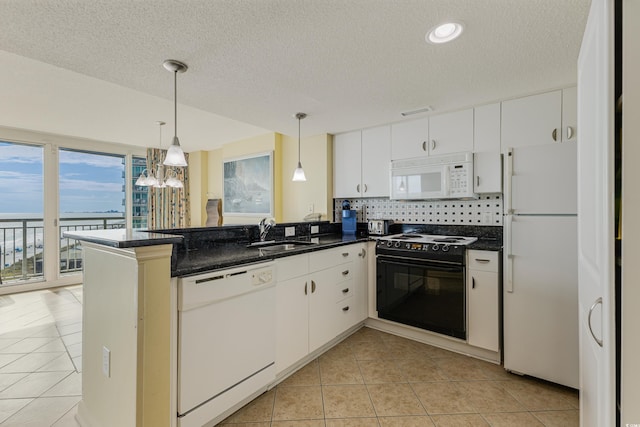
(265, 225)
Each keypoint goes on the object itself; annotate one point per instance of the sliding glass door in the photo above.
(46, 190)
(21, 212)
(92, 190)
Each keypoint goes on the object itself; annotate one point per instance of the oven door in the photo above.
(422, 293)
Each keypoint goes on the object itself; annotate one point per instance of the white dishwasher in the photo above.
(226, 340)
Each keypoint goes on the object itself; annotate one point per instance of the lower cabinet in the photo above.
(319, 295)
(483, 291)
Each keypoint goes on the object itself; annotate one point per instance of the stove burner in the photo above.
(448, 240)
(408, 236)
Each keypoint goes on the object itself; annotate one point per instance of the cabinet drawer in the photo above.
(321, 260)
(483, 260)
(346, 314)
(344, 289)
(293, 266)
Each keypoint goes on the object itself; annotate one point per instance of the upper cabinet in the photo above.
(410, 139)
(569, 114)
(376, 152)
(347, 170)
(451, 132)
(430, 136)
(487, 162)
(539, 119)
(486, 128)
(361, 162)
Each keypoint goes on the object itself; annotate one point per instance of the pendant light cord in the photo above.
(175, 104)
(299, 139)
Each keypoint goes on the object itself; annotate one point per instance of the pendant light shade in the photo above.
(298, 174)
(175, 155)
(160, 179)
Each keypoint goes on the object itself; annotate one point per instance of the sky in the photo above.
(88, 182)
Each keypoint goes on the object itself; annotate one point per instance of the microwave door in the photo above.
(445, 187)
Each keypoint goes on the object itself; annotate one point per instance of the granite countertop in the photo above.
(123, 237)
(486, 244)
(225, 254)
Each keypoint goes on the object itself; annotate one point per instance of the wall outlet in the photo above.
(310, 208)
(315, 229)
(106, 362)
(289, 231)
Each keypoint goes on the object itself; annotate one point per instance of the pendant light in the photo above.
(160, 179)
(175, 155)
(298, 174)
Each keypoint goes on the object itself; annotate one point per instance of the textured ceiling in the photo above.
(349, 64)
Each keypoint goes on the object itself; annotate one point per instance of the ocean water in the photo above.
(13, 245)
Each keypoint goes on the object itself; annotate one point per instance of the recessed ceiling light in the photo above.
(444, 32)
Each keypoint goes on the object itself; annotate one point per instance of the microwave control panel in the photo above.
(459, 180)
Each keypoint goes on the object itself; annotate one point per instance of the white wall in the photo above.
(42, 97)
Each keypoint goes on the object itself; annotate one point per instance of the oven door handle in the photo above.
(425, 264)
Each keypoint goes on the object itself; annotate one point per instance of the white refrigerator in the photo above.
(540, 287)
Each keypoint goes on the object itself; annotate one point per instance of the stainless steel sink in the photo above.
(283, 246)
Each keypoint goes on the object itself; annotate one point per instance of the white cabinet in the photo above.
(487, 161)
(451, 132)
(292, 310)
(319, 295)
(410, 139)
(483, 290)
(486, 128)
(539, 119)
(347, 170)
(361, 163)
(376, 160)
(487, 172)
(569, 114)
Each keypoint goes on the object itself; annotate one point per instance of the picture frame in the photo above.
(248, 185)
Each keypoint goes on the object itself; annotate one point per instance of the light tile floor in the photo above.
(381, 380)
(370, 379)
(40, 357)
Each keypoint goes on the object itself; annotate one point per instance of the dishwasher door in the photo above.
(226, 323)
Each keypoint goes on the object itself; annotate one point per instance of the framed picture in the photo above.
(248, 185)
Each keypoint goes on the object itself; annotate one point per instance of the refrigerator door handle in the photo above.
(596, 339)
(509, 255)
(508, 159)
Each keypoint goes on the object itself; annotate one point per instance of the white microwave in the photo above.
(437, 177)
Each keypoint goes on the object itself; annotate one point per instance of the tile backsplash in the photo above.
(486, 210)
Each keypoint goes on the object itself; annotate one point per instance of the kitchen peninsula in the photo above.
(130, 330)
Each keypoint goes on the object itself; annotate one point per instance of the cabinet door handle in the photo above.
(345, 254)
(478, 181)
(424, 145)
(484, 261)
(473, 283)
(365, 188)
(554, 134)
(433, 144)
(593, 306)
(313, 286)
(345, 308)
(358, 188)
(569, 132)
(305, 288)
(362, 253)
(345, 290)
(344, 273)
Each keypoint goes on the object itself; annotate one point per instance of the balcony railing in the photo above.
(22, 245)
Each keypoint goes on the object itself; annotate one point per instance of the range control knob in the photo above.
(435, 247)
(407, 245)
(389, 243)
(445, 248)
(397, 244)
